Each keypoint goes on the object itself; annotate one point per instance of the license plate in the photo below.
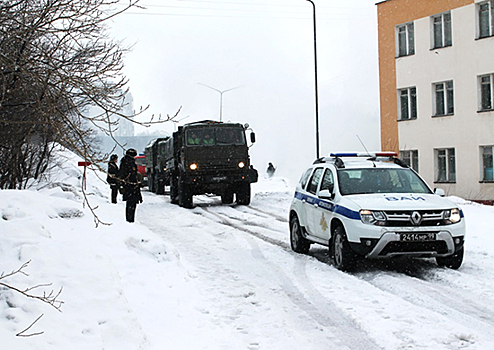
(219, 178)
(418, 237)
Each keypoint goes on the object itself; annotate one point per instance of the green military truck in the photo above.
(210, 157)
(156, 165)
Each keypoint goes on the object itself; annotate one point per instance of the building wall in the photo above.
(390, 14)
(467, 58)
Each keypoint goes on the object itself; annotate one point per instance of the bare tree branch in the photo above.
(22, 333)
(50, 298)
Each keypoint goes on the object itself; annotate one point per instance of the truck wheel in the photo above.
(227, 197)
(298, 243)
(174, 190)
(160, 186)
(453, 261)
(184, 195)
(151, 182)
(344, 258)
(243, 194)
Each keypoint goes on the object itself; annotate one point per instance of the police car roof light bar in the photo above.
(364, 154)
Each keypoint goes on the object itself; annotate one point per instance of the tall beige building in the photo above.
(436, 68)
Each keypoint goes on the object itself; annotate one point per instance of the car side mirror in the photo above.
(325, 194)
(439, 192)
(252, 137)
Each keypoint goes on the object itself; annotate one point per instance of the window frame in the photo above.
(409, 39)
(445, 158)
(444, 26)
(481, 91)
(411, 158)
(317, 171)
(327, 174)
(446, 95)
(489, 31)
(411, 100)
(304, 179)
(487, 175)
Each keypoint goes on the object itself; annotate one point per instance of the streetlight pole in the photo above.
(315, 69)
(221, 96)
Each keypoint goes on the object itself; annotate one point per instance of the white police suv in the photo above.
(373, 206)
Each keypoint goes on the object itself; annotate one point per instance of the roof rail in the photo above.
(336, 158)
(400, 162)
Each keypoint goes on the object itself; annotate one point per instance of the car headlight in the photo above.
(193, 166)
(241, 165)
(452, 216)
(370, 217)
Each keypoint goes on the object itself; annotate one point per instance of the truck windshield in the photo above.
(392, 180)
(215, 136)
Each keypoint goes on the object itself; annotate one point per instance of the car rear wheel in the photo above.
(453, 262)
(298, 242)
(344, 258)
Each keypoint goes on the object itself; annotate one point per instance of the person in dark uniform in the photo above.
(112, 177)
(129, 180)
(271, 169)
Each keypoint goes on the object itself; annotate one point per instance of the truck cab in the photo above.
(210, 157)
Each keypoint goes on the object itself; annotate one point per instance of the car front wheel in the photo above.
(453, 261)
(344, 257)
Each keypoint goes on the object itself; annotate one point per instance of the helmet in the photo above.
(131, 152)
(113, 157)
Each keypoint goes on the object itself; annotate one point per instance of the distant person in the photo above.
(112, 177)
(131, 186)
(271, 169)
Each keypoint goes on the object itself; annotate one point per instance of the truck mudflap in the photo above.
(248, 176)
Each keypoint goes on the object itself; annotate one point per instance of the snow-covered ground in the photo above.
(221, 277)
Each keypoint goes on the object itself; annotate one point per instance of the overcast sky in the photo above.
(264, 50)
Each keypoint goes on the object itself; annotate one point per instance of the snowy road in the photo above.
(255, 293)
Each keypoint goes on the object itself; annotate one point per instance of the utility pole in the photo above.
(315, 70)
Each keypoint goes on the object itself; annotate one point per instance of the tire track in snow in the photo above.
(444, 301)
(265, 214)
(240, 225)
(347, 334)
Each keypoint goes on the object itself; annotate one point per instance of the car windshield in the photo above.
(380, 180)
(215, 136)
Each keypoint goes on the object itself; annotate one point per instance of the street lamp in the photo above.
(315, 69)
(221, 95)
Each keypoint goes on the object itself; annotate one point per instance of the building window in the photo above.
(441, 28)
(487, 173)
(443, 98)
(485, 92)
(485, 12)
(407, 100)
(411, 158)
(405, 40)
(445, 165)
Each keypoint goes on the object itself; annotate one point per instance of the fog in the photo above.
(264, 51)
